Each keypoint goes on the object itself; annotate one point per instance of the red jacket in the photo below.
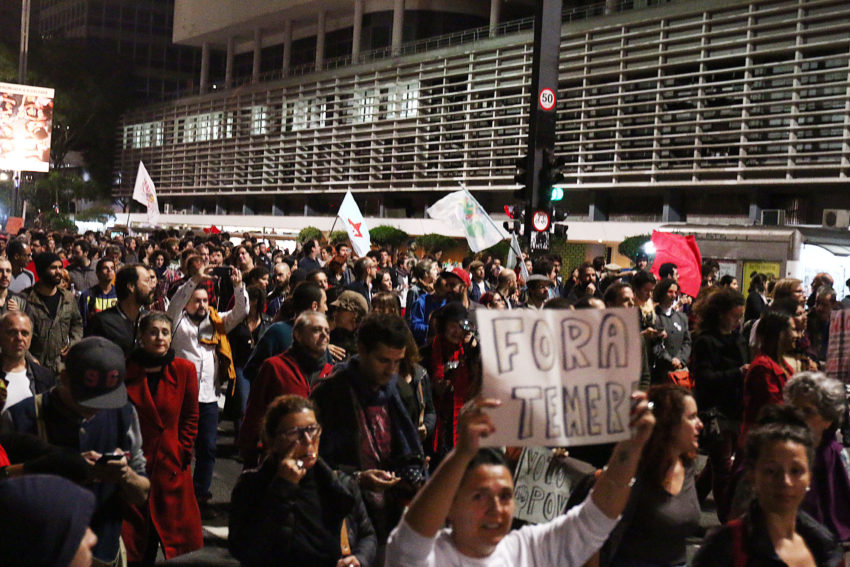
(279, 375)
(763, 386)
(169, 426)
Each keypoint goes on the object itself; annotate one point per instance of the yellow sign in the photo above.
(767, 268)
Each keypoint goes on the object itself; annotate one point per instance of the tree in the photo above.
(433, 242)
(56, 191)
(632, 245)
(309, 233)
(388, 236)
(338, 237)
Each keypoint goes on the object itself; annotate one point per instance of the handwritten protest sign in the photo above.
(543, 483)
(838, 352)
(564, 377)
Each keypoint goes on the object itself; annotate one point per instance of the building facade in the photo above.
(138, 32)
(691, 109)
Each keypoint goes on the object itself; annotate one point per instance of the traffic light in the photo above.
(521, 179)
(558, 217)
(551, 177)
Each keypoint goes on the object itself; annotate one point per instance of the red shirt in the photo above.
(763, 385)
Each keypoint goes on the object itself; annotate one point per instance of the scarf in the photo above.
(211, 332)
(449, 405)
(147, 360)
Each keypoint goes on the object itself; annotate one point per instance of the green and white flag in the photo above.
(461, 207)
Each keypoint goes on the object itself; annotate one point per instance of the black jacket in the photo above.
(41, 378)
(113, 325)
(717, 550)
(263, 516)
(716, 368)
(362, 288)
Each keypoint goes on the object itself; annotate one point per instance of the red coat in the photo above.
(279, 375)
(169, 426)
(763, 386)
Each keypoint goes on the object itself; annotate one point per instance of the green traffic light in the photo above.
(557, 194)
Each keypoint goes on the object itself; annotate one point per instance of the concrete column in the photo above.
(205, 67)
(258, 55)
(320, 39)
(358, 30)
(495, 12)
(611, 6)
(673, 209)
(759, 200)
(398, 24)
(228, 64)
(598, 206)
(287, 46)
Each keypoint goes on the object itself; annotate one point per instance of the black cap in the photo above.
(44, 260)
(96, 367)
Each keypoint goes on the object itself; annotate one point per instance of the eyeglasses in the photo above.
(295, 434)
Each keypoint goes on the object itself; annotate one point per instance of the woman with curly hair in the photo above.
(663, 510)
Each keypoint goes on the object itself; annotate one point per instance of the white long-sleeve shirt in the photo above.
(185, 337)
(567, 541)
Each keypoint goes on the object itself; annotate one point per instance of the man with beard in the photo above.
(134, 289)
(82, 273)
(200, 336)
(102, 296)
(276, 297)
(56, 319)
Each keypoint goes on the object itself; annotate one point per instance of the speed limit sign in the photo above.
(547, 99)
(540, 221)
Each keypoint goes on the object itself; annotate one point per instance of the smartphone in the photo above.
(222, 272)
(109, 457)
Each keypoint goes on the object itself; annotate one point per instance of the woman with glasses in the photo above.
(164, 390)
(295, 509)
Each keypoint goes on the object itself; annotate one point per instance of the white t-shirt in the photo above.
(17, 387)
(567, 541)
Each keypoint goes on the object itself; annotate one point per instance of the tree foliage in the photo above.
(388, 236)
(633, 244)
(338, 237)
(56, 191)
(310, 233)
(499, 250)
(433, 242)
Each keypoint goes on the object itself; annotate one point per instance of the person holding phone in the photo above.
(88, 411)
(200, 336)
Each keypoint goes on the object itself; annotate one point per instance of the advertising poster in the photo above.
(26, 122)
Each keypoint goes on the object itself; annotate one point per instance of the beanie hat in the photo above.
(42, 261)
(43, 520)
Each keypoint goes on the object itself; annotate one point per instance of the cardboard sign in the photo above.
(838, 352)
(564, 377)
(543, 483)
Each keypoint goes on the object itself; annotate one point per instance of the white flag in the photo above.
(461, 207)
(145, 193)
(358, 232)
(514, 255)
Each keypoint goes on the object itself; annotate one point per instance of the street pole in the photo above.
(22, 80)
(542, 119)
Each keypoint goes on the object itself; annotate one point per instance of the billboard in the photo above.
(26, 121)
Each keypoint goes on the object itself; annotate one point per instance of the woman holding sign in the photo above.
(473, 489)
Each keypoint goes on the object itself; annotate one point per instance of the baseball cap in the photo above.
(458, 272)
(351, 301)
(535, 278)
(95, 366)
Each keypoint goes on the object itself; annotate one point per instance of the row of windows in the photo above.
(392, 102)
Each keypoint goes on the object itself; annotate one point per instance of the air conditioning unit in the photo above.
(836, 218)
(773, 217)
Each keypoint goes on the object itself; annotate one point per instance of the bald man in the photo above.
(23, 376)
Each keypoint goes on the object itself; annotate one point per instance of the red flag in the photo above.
(682, 251)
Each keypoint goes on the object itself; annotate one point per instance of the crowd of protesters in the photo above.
(353, 385)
